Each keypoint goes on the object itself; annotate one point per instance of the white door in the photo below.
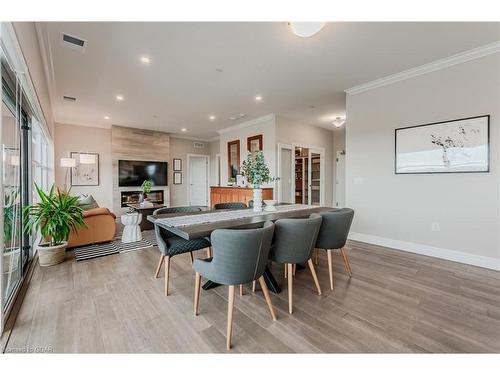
(315, 177)
(340, 179)
(285, 181)
(198, 180)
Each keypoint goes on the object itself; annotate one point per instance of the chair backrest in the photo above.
(334, 228)
(240, 255)
(173, 210)
(294, 239)
(230, 205)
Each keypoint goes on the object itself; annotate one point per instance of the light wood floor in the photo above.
(395, 302)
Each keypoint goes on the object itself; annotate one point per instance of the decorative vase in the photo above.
(51, 255)
(141, 197)
(257, 199)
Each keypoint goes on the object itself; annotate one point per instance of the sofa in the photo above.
(100, 227)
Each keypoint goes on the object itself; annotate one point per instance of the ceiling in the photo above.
(202, 69)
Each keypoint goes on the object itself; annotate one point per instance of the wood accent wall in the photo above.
(224, 194)
(137, 144)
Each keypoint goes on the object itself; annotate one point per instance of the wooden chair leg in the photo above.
(167, 273)
(230, 305)
(263, 286)
(315, 277)
(329, 254)
(241, 290)
(162, 258)
(253, 286)
(197, 283)
(290, 288)
(191, 256)
(316, 251)
(347, 265)
(286, 270)
(209, 252)
(294, 269)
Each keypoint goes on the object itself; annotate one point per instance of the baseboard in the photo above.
(436, 252)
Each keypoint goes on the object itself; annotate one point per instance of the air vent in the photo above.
(73, 42)
(69, 99)
(198, 145)
(238, 117)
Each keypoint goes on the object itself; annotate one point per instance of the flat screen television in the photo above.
(134, 172)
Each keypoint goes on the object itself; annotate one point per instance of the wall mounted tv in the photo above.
(134, 172)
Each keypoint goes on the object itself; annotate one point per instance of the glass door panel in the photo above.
(315, 177)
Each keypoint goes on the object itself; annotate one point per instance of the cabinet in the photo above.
(224, 194)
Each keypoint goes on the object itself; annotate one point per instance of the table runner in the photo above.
(182, 221)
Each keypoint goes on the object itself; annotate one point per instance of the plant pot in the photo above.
(51, 255)
(257, 200)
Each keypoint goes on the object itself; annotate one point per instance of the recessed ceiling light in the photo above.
(106, 117)
(241, 115)
(183, 130)
(211, 117)
(258, 98)
(306, 29)
(119, 98)
(145, 60)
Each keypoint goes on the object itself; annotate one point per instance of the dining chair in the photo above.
(333, 235)
(294, 241)
(230, 206)
(171, 245)
(239, 257)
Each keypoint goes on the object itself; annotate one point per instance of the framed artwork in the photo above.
(456, 146)
(177, 164)
(233, 159)
(254, 143)
(177, 178)
(86, 172)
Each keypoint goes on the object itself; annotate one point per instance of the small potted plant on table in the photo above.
(55, 216)
(146, 189)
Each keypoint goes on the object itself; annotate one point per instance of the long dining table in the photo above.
(192, 225)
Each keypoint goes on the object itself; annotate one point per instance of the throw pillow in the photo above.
(87, 202)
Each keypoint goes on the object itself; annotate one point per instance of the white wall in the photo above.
(266, 126)
(398, 210)
(338, 145)
(214, 148)
(86, 139)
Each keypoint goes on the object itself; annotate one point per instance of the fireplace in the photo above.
(128, 197)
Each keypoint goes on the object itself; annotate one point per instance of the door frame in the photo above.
(321, 151)
(284, 146)
(217, 169)
(188, 161)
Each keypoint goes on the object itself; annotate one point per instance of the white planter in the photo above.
(257, 200)
(51, 255)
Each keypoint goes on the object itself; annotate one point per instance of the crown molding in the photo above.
(248, 123)
(190, 138)
(446, 62)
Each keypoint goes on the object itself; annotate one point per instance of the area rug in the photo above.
(115, 247)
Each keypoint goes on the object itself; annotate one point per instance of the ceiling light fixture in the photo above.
(106, 117)
(338, 122)
(145, 60)
(306, 29)
(119, 98)
(258, 98)
(211, 117)
(183, 130)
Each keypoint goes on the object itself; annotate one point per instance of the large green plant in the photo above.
(255, 169)
(54, 216)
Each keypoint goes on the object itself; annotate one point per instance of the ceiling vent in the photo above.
(73, 42)
(69, 98)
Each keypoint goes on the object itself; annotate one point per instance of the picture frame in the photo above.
(255, 143)
(85, 174)
(454, 146)
(177, 178)
(177, 164)
(233, 158)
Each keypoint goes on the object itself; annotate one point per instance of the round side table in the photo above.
(131, 230)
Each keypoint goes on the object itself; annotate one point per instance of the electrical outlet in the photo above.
(435, 226)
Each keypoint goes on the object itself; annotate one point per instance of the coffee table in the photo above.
(145, 211)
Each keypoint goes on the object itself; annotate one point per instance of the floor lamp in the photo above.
(67, 163)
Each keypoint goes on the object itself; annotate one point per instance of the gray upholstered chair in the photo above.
(170, 244)
(294, 241)
(333, 235)
(230, 206)
(239, 257)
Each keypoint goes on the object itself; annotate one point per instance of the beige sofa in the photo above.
(101, 227)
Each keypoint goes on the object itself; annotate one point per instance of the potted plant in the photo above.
(146, 188)
(55, 216)
(257, 173)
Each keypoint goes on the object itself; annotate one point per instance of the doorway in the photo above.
(309, 175)
(198, 179)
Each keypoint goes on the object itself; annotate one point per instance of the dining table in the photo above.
(192, 225)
